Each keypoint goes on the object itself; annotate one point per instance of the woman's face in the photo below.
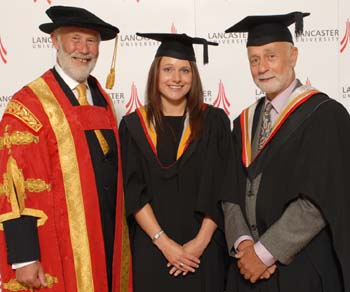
(174, 80)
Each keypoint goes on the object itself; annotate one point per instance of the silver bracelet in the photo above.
(157, 235)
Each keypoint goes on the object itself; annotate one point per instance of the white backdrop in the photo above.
(324, 48)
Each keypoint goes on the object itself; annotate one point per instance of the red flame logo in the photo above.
(3, 52)
(134, 101)
(221, 99)
(48, 1)
(345, 40)
(173, 28)
(308, 82)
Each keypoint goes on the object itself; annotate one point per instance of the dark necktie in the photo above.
(266, 125)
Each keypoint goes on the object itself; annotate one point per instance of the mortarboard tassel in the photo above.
(111, 76)
(205, 52)
(205, 44)
(299, 23)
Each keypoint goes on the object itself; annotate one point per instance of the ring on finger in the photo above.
(181, 265)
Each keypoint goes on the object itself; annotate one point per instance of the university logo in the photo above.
(132, 40)
(117, 97)
(235, 38)
(345, 39)
(42, 42)
(4, 99)
(323, 35)
(3, 52)
(221, 100)
(134, 101)
(346, 91)
(48, 1)
(173, 28)
(308, 82)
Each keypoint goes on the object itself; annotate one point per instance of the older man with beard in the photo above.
(61, 191)
(286, 221)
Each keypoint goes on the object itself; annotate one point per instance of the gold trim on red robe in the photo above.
(71, 241)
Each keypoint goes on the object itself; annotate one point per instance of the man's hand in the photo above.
(249, 264)
(31, 276)
(267, 274)
(245, 243)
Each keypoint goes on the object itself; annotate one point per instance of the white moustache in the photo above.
(82, 56)
(265, 76)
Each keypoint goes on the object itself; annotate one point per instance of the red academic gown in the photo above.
(46, 172)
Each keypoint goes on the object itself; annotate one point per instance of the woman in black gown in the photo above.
(175, 152)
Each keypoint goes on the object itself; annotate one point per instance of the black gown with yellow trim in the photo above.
(181, 192)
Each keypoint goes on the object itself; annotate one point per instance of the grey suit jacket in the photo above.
(298, 225)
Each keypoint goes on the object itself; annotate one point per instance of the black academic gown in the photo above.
(180, 194)
(309, 155)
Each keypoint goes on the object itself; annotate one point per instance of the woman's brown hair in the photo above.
(194, 99)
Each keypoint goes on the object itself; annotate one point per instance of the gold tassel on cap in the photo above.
(111, 75)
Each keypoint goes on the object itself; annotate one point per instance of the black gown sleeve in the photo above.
(216, 166)
(22, 240)
(135, 188)
(322, 173)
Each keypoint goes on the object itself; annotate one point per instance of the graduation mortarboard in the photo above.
(76, 16)
(80, 17)
(178, 46)
(264, 29)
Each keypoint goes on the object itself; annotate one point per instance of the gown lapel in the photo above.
(292, 116)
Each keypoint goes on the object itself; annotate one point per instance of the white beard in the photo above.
(275, 85)
(79, 73)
